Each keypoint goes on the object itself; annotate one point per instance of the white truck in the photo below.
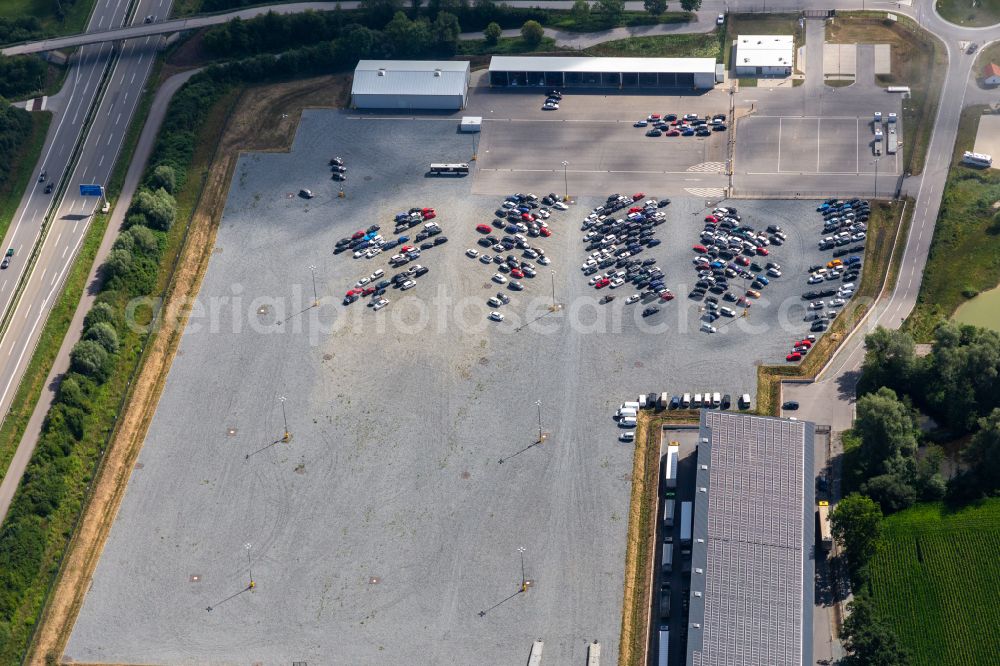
(670, 466)
(687, 515)
(877, 144)
(891, 143)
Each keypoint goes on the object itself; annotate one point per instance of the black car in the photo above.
(652, 310)
(426, 245)
(810, 296)
(440, 240)
(484, 242)
(423, 235)
(818, 326)
(825, 293)
(790, 405)
(49, 188)
(420, 271)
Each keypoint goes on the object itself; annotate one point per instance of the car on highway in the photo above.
(49, 188)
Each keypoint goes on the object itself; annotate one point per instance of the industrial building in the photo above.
(764, 55)
(410, 85)
(752, 563)
(584, 72)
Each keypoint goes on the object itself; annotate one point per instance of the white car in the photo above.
(542, 213)
(499, 278)
(728, 312)
(814, 279)
(627, 436)
(559, 205)
(594, 279)
(816, 305)
(486, 259)
(720, 19)
(632, 299)
(617, 282)
(359, 253)
(409, 284)
(373, 252)
(380, 303)
(544, 261)
(550, 106)
(472, 252)
(845, 293)
(774, 272)
(837, 302)
(362, 282)
(708, 328)
(847, 286)
(496, 316)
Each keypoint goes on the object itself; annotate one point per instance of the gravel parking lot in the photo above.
(387, 531)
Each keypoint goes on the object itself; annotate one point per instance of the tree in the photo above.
(856, 523)
(157, 207)
(100, 312)
(446, 31)
(888, 431)
(532, 33)
(580, 10)
(891, 491)
(407, 38)
(613, 9)
(118, 265)
(690, 5)
(144, 240)
(889, 360)
(71, 393)
(655, 7)
(493, 33)
(983, 456)
(89, 358)
(105, 335)
(358, 42)
(867, 639)
(378, 12)
(164, 176)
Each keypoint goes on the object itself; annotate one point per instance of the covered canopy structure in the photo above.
(584, 72)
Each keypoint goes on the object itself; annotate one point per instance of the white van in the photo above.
(627, 422)
(697, 401)
(629, 405)
(627, 413)
(716, 399)
(686, 401)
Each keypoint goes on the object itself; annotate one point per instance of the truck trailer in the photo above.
(891, 143)
(667, 560)
(664, 647)
(687, 515)
(670, 466)
(668, 513)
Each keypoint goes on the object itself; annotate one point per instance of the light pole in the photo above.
(524, 581)
(315, 296)
(554, 306)
(541, 436)
(287, 436)
(565, 180)
(252, 584)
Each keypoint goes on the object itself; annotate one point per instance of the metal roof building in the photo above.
(752, 556)
(410, 84)
(585, 72)
(764, 55)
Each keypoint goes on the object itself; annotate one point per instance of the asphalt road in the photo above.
(70, 221)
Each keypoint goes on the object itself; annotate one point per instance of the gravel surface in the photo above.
(384, 528)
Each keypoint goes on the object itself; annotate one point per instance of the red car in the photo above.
(742, 261)
(527, 217)
(352, 292)
(700, 249)
(638, 195)
(672, 133)
(357, 235)
(794, 356)
(677, 123)
(603, 282)
(711, 218)
(762, 251)
(545, 232)
(425, 211)
(368, 291)
(804, 343)
(407, 248)
(429, 215)
(665, 295)
(635, 209)
(483, 228)
(516, 273)
(654, 116)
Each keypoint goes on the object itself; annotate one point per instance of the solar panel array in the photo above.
(754, 546)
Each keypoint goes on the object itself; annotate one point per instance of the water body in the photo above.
(983, 310)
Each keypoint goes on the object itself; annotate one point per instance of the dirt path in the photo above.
(263, 119)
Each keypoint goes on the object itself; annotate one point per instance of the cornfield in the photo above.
(936, 580)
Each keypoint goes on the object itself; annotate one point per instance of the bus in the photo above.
(449, 168)
(977, 159)
(823, 518)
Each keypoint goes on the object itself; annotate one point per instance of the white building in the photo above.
(764, 55)
(410, 84)
(588, 72)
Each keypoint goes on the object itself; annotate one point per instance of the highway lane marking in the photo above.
(110, 136)
(54, 276)
(132, 80)
(101, 161)
(118, 119)
(65, 250)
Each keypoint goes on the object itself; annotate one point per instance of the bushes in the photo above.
(21, 75)
(532, 32)
(20, 29)
(15, 127)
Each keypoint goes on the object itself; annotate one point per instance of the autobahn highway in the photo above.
(99, 149)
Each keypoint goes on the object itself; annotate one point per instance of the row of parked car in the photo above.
(845, 226)
(800, 348)
(728, 251)
(690, 124)
(521, 218)
(338, 169)
(614, 244)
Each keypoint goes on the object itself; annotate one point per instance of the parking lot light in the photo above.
(315, 296)
(554, 306)
(565, 181)
(287, 436)
(541, 435)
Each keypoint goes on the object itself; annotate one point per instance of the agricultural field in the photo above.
(936, 579)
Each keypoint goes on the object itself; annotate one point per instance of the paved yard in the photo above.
(386, 526)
